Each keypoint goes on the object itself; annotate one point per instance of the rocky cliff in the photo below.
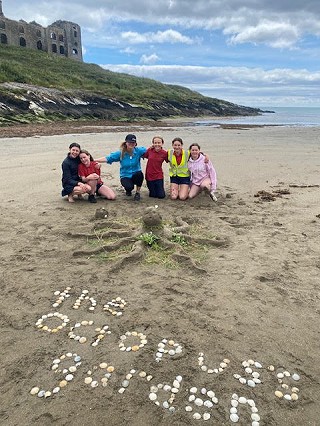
(22, 103)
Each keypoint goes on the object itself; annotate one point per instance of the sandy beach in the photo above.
(251, 310)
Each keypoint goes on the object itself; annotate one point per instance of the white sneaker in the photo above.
(212, 196)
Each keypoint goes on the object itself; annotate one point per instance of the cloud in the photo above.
(251, 86)
(151, 59)
(168, 36)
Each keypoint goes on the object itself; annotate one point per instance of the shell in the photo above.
(234, 417)
(278, 394)
(34, 391)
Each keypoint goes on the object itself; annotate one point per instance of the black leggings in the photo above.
(128, 183)
(156, 189)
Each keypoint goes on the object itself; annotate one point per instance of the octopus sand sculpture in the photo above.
(151, 231)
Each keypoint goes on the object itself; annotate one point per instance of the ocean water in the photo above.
(282, 116)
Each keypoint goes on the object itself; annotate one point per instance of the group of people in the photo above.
(190, 171)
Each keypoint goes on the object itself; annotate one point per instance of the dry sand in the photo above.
(258, 300)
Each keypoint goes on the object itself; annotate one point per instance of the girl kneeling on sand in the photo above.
(89, 171)
(71, 182)
(179, 172)
(203, 174)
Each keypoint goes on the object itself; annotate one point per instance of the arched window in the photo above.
(38, 33)
(54, 48)
(62, 50)
(23, 42)
(75, 43)
(75, 33)
(60, 37)
(74, 51)
(39, 45)
(2, 25)
(21, 29)
(53, 36)
(3, 39)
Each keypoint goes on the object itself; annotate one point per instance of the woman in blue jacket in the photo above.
(129, 157)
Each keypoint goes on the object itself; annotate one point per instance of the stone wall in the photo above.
(61, 38)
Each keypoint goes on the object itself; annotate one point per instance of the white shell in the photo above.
(295, 376)
(206, 416)
(188, 408)
(234, 417)
(69, 377)
(34, 391)
(210, 394)
(193, 390)
(198, 402)
(242, 400)
(255, 417)
(152, 396)
(197, 416)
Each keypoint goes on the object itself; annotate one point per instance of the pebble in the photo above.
(295, 377)
(234, 417)
(152, 396)
(278, 394)
(34, 391)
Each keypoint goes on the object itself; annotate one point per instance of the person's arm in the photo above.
(212, 175)
(109, 159)
(101, 160)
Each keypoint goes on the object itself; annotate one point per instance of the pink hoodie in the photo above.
(200, 170)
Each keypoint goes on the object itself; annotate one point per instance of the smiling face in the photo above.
(85, 159)
(194, 152)
(177, 147)
(130, 145)
(74, 152)
(157, 143)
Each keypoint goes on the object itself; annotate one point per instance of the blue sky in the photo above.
(255, 52)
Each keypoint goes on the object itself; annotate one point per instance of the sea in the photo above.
(281, 116)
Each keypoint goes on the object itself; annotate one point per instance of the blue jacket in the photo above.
(129, 164)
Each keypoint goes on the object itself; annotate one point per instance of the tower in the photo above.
(1, 13)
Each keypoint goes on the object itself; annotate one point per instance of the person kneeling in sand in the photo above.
(203, 174)
(71, 182)
(129, 156)
(89, 171)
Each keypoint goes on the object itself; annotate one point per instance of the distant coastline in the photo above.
(281, 116)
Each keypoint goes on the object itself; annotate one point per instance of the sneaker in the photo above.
(212, 196)
(92, 199)
(128, 193)
(137, 196)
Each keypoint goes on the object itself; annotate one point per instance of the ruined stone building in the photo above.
(61, 38)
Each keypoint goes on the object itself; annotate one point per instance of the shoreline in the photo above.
(105, 126)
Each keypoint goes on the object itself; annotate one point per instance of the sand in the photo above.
(258, 300)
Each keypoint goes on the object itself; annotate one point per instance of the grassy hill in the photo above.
(43, 70)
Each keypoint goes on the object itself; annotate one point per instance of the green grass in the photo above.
(38, 68)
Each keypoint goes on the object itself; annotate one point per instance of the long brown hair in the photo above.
(84, 151)
(124, 149)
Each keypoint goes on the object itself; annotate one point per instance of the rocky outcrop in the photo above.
(24, 103)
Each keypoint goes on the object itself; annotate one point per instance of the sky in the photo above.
(256, 53)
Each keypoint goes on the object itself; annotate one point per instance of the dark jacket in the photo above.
(70, 177)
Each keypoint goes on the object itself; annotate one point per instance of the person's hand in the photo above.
(97, 166)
